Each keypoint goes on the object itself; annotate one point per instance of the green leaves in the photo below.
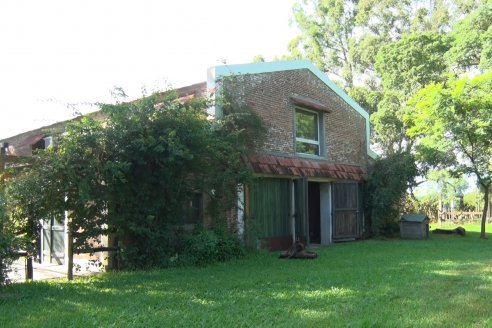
(413, 62)
(386, 189)
(455, 118)
(394, 48)
(133, 173)
(452, 124)
(472, 40)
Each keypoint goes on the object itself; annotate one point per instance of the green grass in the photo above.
(442, 282)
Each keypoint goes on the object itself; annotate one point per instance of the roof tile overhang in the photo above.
(31, 140)
(289, 166)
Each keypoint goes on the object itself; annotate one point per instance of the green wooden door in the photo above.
(269, 209)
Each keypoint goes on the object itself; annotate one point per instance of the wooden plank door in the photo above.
(345, 211)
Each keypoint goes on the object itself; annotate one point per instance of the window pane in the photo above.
(306, 125)
(307, 148)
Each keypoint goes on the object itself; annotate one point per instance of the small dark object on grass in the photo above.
(298, 251)
(457, 231)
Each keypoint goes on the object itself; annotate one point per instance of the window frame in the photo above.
(297, 139)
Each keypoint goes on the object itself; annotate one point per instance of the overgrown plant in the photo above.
(385, 191)
(7, 243)
(241, 132)
(132, 175)
(170, 150)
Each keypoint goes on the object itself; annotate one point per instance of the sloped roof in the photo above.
(290, 166)
(414, 217)
(32, 136)
(31, 140)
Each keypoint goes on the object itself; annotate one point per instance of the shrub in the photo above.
(7, 256)
(207, 246)
(145, 248)
(229, 246)
(386, 190)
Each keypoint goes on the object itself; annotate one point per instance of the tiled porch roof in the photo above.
(288, 166)
(31, 140)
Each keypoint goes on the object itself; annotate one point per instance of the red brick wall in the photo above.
(269, 95)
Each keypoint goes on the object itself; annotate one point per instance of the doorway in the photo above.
(313, 211)
(314, 206)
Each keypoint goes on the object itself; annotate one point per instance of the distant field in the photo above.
(445, 281)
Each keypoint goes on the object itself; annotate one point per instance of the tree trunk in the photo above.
(485, 210)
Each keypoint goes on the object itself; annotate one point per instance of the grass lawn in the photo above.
(445, 282)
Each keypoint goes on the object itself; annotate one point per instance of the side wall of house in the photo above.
(269, 94)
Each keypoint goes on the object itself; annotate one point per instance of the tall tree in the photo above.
(405, 67)
(327, 30)
(393, 47)
(471, 46)
(452, 124)
(343, 37)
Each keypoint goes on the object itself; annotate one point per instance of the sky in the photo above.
(58, 57)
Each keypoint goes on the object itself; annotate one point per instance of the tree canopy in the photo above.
(452, 124)
(382, 52)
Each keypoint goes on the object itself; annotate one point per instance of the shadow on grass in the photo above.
(436, 282)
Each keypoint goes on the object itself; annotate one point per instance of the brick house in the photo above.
(309, 170)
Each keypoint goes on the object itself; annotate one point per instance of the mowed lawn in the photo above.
(442, 282)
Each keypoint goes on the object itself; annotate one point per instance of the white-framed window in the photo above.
(48, 141)
(307, 130)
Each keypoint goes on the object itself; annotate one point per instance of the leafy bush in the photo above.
(7, 256)
(207, 246)
(228, 246)
(386, 190)
(145, 248)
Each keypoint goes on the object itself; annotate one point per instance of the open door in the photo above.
(302, 209)
(314, 212)
(345, 211)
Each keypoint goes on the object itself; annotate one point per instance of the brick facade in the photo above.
(269, 94)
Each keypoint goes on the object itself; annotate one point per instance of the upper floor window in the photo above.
(307, 132)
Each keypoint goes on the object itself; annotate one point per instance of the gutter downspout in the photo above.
(292, 211)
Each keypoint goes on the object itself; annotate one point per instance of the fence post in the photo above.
(29, 268)
(70, 256)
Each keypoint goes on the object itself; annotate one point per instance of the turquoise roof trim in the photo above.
(258, 68)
